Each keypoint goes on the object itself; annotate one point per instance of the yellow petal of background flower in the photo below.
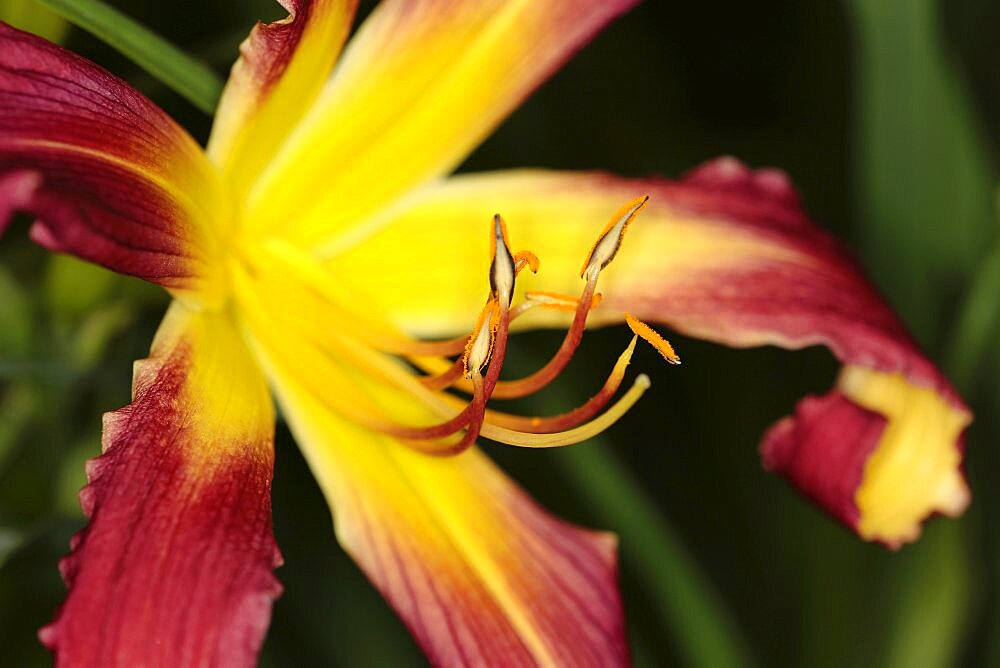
(725, 254)
(418, 87)
(281, 69)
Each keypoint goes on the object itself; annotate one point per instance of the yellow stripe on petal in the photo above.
(281, 69)
(419, 86)
(223, 390)
(558, 216)
(915, 468)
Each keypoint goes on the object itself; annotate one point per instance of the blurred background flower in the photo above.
(885, 114)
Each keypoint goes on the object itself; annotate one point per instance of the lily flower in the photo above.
(318, 252)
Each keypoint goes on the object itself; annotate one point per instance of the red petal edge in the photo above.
(114, 180)
(176, 565)
(822, 449)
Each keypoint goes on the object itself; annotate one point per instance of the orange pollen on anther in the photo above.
(480, 345)
(526, 259)
(653, 338)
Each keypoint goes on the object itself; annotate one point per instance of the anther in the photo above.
(480, 345)
(526, 259)
(653, 338)
(607, 245)
(503, 268)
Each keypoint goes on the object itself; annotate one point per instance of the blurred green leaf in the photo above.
(17, 406)
(933, 600)
(73, 476)
(978, 321)
(28, 15)
(95, 332)
(15, 318)
(921, 170)
(11, 540)
(72, 286)
(190, 77)
(30, 590)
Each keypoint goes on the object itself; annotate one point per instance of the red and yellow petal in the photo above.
(478, 571)
(176, 565)
(419, 86)
(725, 254)
(872, 452)
(108, 176)
(281, 69)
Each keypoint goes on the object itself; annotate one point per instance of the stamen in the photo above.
(606, 247)
(503, 273)
(428, 437)
(503, 269)
(444, 374)
(530, 384)
(446, 378)
(482, 391)
(653, 338)
(474, 413)
(480, 346)
(602, 253)
(526, 259)
(577, 416)
(571, 436)
(558, 301)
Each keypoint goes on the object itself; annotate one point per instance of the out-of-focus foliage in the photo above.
(28, 15)
(924, 187)
(883, 114)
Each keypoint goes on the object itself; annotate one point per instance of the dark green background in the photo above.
(886, 116)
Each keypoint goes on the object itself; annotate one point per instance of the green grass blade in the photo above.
(191, 78)
(678, 590)
(921, 169)
(978, 322)
(934, 600)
